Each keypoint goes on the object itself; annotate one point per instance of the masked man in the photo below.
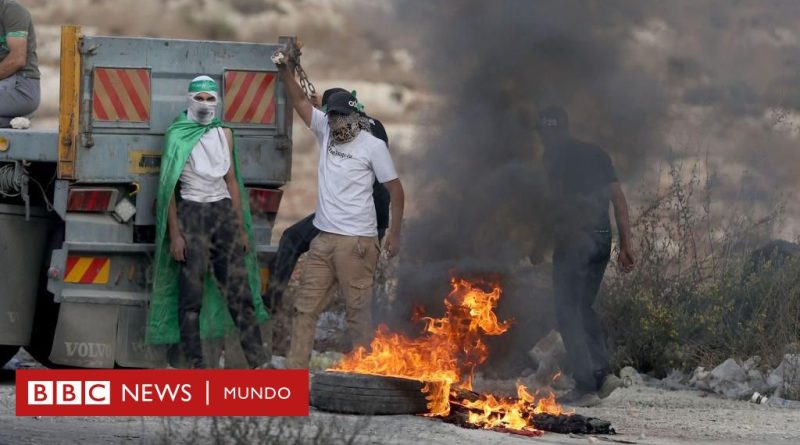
(346, 250)
(19, 72)
(583, 183)
(203, 222)
(296, 240)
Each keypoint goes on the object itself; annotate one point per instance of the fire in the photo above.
(445, 356)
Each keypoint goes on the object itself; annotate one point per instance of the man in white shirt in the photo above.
(346, 250)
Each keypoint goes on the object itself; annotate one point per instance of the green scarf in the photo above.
(163, 325)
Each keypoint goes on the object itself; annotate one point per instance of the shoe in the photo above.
(580, 398)
(610, 383)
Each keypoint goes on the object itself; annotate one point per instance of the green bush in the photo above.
(698, 294)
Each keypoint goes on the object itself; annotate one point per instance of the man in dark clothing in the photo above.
(582, 181)
(296, 240)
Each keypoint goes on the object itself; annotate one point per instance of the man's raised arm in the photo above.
(299, 100)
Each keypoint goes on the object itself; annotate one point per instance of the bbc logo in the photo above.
(69, 392)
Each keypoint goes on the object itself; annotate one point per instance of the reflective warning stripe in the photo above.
(120, 94)
(87, 270)
(249, 97)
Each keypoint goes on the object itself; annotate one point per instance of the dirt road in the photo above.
(640, 414)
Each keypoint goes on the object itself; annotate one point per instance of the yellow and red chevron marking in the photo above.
(121, 94)
(87, 270)
(249, 97)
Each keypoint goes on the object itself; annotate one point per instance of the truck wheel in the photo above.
(6, 352)
(367, 394)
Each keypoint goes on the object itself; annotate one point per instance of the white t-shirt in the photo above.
(346, 174)
(203, 176)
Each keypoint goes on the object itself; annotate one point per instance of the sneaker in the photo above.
(610, 383)
(580, 398)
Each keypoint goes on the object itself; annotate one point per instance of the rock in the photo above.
(751, 363)
(278, 362)
(700, 379)
(20, 123)
(790, 373)
(730, 380)
(548, 352)
(675, 380)
(756, 380)
(630, 377)
(775, 378)
(321, 361)
(729, 370)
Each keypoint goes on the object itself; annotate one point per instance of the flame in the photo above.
(445, 357)
(447, 352)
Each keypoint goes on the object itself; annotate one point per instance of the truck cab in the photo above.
(77, 204)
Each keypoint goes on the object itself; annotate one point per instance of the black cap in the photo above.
(342, 102)
(327, 94)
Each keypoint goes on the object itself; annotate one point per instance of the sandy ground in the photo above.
(640, 414)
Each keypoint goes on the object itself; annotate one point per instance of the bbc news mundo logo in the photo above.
(69, 392)
(162, 393)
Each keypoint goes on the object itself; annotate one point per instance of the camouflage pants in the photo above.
(212, 240)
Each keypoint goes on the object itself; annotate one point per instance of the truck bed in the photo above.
(30, 145)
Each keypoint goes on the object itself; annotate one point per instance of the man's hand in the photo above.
(177, 248)
(626, 260)
(392, 243)
(316, 100)
(245, 241)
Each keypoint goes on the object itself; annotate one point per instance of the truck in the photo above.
(77, 204)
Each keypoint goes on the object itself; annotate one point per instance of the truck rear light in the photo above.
(91, 199)
(264, 202)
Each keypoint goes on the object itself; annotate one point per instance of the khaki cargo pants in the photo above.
(348, 261)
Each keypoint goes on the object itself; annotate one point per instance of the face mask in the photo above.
(202, 112)
(344, 128)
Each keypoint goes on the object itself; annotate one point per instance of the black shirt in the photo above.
(379, 193)
(579, 174)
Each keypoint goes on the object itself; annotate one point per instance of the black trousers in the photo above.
(578, 268)
(295, 241)
(212, 240)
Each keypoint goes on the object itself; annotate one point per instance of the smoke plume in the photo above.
(643, 80)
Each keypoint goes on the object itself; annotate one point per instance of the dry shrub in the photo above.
(702, 291)
(262, 430)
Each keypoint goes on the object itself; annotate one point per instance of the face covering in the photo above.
(201, 112)
(344, 128)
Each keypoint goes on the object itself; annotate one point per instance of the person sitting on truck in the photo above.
(296, 240)
(19, 72)
(346, 250)
(203, 222)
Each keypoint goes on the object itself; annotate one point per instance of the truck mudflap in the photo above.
(22, 244)
(102, 335)
(102, 289)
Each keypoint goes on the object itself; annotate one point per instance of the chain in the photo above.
(302, 79)
(293, 53)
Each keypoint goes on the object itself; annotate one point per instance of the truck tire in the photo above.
(6, 352)
(367, 394)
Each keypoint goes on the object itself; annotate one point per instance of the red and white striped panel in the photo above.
(121, 95)
(249, 97)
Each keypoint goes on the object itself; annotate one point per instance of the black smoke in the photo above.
(633, 76)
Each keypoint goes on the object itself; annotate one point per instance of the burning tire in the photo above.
(367, 394)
